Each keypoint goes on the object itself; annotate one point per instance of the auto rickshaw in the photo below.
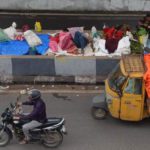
(125, 96)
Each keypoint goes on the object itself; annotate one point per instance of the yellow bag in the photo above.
(38, 27)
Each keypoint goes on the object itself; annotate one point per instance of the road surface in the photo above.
(85, 133)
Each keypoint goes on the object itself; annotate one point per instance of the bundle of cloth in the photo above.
(72, 40)
(114, 42)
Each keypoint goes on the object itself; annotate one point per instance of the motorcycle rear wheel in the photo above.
(53, 139)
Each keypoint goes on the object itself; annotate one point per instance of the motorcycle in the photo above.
(50, 134)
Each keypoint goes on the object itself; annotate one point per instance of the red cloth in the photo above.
(55, 38)
(109, 32)
(111, 44)
(19, 37)
(113, 33)
(53, 46)
(147, 74)
(112, 38)
(54, 43)
(63, 41)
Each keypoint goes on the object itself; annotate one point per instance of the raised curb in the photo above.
(45, 69)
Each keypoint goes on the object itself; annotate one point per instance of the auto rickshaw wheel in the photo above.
(98, 113)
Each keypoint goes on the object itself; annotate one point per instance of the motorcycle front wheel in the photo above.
(4, 138)
(53, 139)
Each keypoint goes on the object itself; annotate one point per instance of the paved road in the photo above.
(85, 133)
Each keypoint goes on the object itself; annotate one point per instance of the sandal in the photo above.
(23, 142)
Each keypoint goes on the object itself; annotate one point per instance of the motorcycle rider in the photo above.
(37, 116)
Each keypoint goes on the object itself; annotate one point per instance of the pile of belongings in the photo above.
(26, 42)
(112, 41)
(75, 41)
(118, 40)
(72, 41)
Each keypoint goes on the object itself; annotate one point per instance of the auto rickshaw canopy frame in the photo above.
(132, 66)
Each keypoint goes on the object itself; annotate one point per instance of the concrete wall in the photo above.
(108, 5)
(55, 69)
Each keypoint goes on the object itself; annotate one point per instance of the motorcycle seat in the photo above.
(51, 122)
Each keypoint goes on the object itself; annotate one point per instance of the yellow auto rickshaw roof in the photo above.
(132, 65)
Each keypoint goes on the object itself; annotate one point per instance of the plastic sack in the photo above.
(123, 46)
(11, 31)
(94, 32)
(99, 45)
(3, 36)
(32, 39)
(143, 39)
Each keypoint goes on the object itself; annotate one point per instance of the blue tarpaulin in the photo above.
(14, 48)
(18, 48)
(41, 49)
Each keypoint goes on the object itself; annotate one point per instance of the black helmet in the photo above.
(34, 94)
